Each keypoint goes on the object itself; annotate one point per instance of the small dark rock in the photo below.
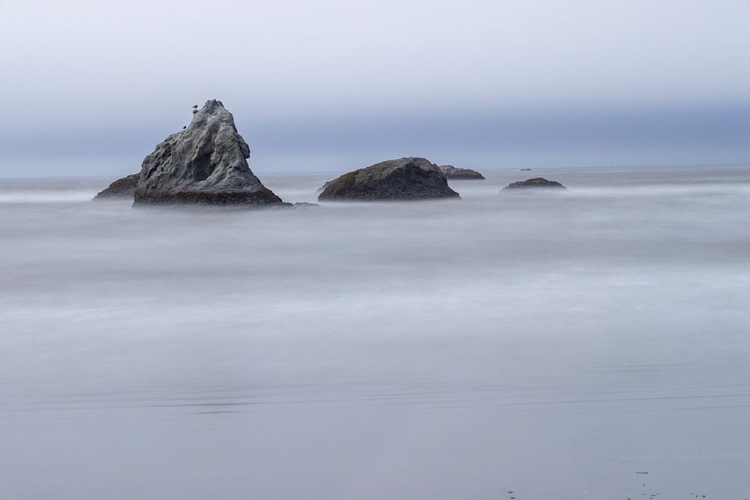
(121, 188)
(451, 172)
(537, 182)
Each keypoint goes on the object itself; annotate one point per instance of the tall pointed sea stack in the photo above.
(206, 163)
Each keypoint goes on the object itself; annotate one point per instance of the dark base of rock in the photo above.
(121, 188)
(260, 198)
(536, 183)
(471, 176)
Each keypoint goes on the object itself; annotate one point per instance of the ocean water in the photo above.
(587, 344)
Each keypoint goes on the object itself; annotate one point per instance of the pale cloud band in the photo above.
(474, 74)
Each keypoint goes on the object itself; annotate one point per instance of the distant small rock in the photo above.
(451, 172)
(535, 183)
(525, 170)
(121, 188)
(402, 179)
(203, 164)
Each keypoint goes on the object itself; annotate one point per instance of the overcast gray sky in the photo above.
(90, 86)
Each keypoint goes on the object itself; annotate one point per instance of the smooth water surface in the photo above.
(587, 344)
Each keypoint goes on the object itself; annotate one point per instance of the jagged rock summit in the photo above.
(403, 179)
(536, 182)
(205, 163)
(121, 188)
(451, 172)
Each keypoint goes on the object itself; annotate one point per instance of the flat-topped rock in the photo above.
(451, 172)
(402, 179)
(205, 163)
(537, 182)
(121, 188)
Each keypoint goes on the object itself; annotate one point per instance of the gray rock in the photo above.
(403, 179)
(537, 182)
(204, 163)
(451, 172)
(324, 186)
(121, 188)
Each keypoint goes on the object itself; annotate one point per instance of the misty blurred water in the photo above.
(556, 345)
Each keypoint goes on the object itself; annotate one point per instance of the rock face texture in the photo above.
(403, 179)
(121, 188)
(206, 163)
(537, 182)
(451, 172)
